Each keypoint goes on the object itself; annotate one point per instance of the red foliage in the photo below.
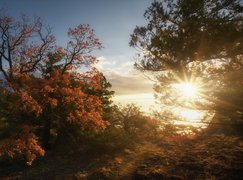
(65, 91)
(57, 94)
(24, 144)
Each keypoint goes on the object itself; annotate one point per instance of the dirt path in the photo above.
(133, 160)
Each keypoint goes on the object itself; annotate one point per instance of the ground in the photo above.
(218, 157)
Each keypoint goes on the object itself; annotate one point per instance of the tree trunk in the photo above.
(47, 134)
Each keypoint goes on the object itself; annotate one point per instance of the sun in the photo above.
(187, 90)
(191, 115)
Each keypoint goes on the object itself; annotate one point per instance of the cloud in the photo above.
(101, 58)
(122, 76)
(128, 64)
(129, 84)
(104, 64)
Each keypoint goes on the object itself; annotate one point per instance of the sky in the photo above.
(113, 21)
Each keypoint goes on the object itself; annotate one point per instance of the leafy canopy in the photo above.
(182, 31)
(43, 96)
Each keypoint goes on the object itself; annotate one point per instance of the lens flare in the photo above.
(187, 90)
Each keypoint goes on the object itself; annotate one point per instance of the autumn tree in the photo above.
(105, 93)
(199, 41)
(41, 90)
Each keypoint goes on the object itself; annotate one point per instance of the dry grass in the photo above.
(216, 157)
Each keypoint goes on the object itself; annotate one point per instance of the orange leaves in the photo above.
(79, 48)
(48, 89)
(53, 102)
(81, 108)
(24, 144)
(68, 91)
(25, 44)
(43, 88)
(29, 104)
(60, 98)
(87, 120)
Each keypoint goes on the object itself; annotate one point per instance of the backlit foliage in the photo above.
(24, 145)
(197, 42)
